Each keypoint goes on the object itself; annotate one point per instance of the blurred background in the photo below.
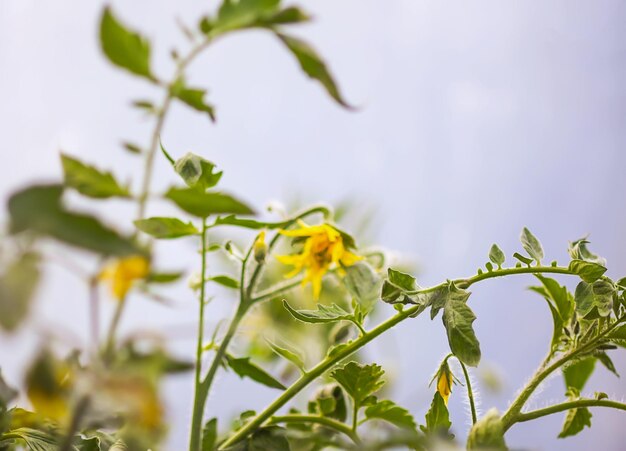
(474, 120)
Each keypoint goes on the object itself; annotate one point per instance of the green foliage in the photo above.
(225, 281)
(18, 283)
(392, 413)
(578, 373)
(288, 353)
(363, 283)
(195, 171)
(437, 418)
(124, 47)
(588, 271)
(264, 439)
(39, 209)
(576, 419)
(561, 304)
(209, 435)
(89, 181)
(458, 319)
(202, 205)
(166, 228)
(532, 245)
(244, 368)
(324, 314)
(329, 401)
(359, 381)
(193, 97)
(496, 255)
(35, 440)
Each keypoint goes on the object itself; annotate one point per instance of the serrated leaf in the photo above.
(363, 283)
(124, 47)
(193, 97)
(209, 435)
(166, 228)
(458, 319)
(313, 66)
(203, 205)
(18, 284)
(225, 281)
(575, 421)
(532, 245)
(244, 368)
(89, 181)
(38, 209)
(287, 352)
(578, 373)
(392, 413)
(359, 381)
(588, 271)
(323, 314)
(437, 417)
(496, 255)
(402, 280)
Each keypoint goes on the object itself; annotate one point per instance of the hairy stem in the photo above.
(470, 393)
(533, 415)
(324, 421)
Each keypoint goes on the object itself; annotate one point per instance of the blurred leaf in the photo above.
(249, 223)
(532, 245)
(313, 66)
(89, 181)
(38, 208)
(166, 228)
(323, 314)
(124, 47)
(458, 319)
(290, 15)
(605, 360)
(35, 440)
(244, 368)
(225, 281)
(363, 283)
(403, 281)
(588, 271)
(359, 381)
(193, 97)
(203, 205)
(578, 373)
(394, 414)
(437, 417)
(7, 394)
(330, 401)
(209, 435)
(18, 284)
(496, 255)
(132, 148)
(164, 277)
(576, 419)
(288, 353)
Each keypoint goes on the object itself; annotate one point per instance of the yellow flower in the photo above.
(260, 247)
(444, 381)
(122, 273)
(323, 249)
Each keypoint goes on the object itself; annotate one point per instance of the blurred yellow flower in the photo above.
(444, 381)
(260, 247)
(123, 272)
(48, 382)
(323, 248)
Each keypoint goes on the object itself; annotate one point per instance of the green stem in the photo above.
(115, 322)
(355, 417)
(77, 418)
(325, 421)
(533, 415)
(361, 341)
(470, 393)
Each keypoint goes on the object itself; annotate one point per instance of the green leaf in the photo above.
(38, 209)
(363, 283)
(202, 204)
(193, 97)
(575, 421)
(313, 66)
(288, 352)
(588, 271)
(525, 260)
(323, 314)
(132, 148)
(290, 15)
(605, 360)
(7, 394)
(437, 417)
(578, 251)
(124, 47)
(195, 171)
(225, 281)
(35, 440)
(458, 319)
(594, 300)
(359, 381)
(209, 435)
(234, 14)
(18, 284)
(496, 255)
(619, 333)
(532, 245)
(269, 438)
(164, 277)
(244, 368)
(166, 228)
(402, 280)
(249, 223)
(89, 181)
(578, 373)
(330, 401)
(563, 301)
(392, 413)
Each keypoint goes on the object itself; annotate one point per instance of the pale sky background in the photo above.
(476, 119)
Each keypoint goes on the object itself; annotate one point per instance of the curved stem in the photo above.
(324, 421)
(533, 415)
(470, 393)
(361, 341)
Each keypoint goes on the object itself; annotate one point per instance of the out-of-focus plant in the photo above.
(107, 396)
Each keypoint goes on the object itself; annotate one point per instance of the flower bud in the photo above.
(260, 248)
